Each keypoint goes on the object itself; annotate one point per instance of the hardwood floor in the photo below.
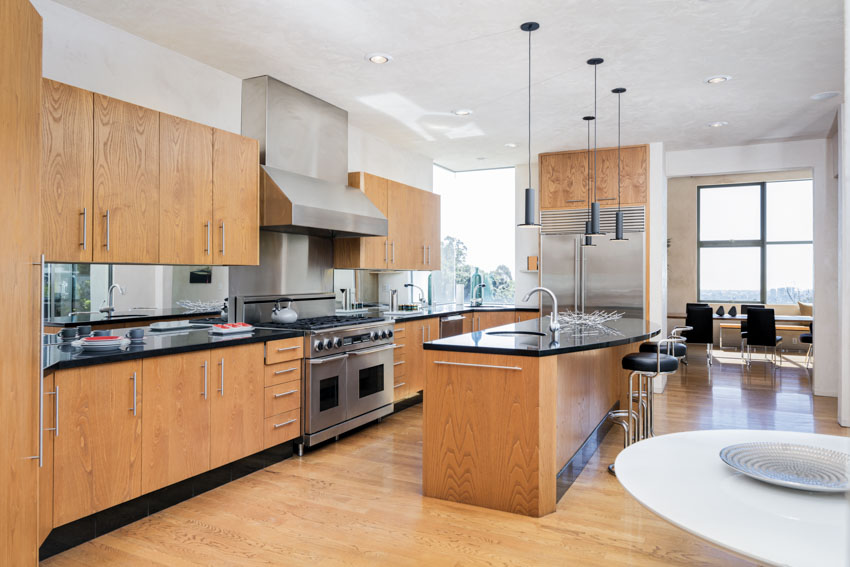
(358, 501)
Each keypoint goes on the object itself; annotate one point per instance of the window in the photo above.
(478, 224)
(755, 242)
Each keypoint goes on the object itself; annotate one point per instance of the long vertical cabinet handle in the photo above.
(429, 255)
(133, 409)
(207, 249)
(424, 251)
(576, 274)
(106, 216)
(40, 456)
(85, 215)
(223, 237)
(393, 258)
(386, 250)
(55, 394)
(205, 380)
(221, 364)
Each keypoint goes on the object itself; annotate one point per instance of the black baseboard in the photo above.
(90, 527)
(406, 403)
(568, 475)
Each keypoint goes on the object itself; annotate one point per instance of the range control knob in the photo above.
(326, 344)
(336, 342)
(374, 336)
(318, 345)
(383, 334)
(390, 333)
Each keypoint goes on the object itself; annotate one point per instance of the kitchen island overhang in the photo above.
(506, 409)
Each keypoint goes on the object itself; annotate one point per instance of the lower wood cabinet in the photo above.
(98, 449)
(526, 315)
(418, 333)
(401, 360)
(45, 475)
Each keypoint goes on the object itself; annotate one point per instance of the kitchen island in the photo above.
(507, 410)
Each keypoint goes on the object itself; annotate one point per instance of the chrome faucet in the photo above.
(110, 298)
(421, 292)
(477, 301)
(554, 325)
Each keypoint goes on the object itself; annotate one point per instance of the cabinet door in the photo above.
(420, 332)
(236, 387)
(431, 224)
(176, 424)
(406, 244)
(186, 194)
(126, 182)
(526, 315)
(563, 180)
(45, 475)
(67, 133)
(236, 199)
(97, 454)
(375, 250)
(606, 187)
(635, 175)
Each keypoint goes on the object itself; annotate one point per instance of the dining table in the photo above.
(681, 478)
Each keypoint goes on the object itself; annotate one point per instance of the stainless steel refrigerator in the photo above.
(611, 275)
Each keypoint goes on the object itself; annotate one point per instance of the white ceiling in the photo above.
(450, 54)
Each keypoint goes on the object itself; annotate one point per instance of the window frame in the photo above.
(762, 243)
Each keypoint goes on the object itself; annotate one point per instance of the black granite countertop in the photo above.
(440, 310)
(60, 356)
(537, 340)
(120, 316)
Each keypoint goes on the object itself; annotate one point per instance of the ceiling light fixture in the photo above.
(379, 58)
(462, 112)
(510, 145)
(594, 205)
(618, 231)
(718, 124)
(825, 95)
(717, 79)
(588, 239)
(529, 217)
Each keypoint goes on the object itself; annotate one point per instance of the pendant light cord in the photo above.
(595, 145)
(619, 113)
(529, 109)
(588, 171)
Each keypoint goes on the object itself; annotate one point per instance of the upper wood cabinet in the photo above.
(126, 182)
(236, 199)
(67, 133)
(564, 177)
(413, 228)
(186, 191)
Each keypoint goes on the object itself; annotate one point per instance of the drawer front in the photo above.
(285, 349)
(401, 390)
(282, 427)
(283, 397)
(283, 372)
(400, 365)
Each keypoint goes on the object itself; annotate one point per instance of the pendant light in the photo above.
(594, 205)
(588, 239)
(619, 226)
(529, 218)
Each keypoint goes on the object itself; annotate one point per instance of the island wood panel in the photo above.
(186, 193)
(589, 383)
(236, 386)
(563, 180)
(45, 475)
(20, 229)
(126, 182)
(489, 433)
(67, 163)
(236, 199)
(176, 424)
(97, 454)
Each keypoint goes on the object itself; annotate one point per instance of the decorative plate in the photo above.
(794, 466)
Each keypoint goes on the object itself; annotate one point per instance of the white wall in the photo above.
(783, 156)
(370, 153)
(527, 239)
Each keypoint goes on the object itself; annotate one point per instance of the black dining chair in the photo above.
(701, 320)
(808, 339)
(744, 308)
(761, 331)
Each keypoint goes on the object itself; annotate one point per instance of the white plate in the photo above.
(803, 467)
(100, 347)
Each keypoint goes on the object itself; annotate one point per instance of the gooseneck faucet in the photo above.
(477, 297)
(421, 292)
(554, 325)
(110, 296)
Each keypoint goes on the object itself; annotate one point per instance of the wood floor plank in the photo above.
(359, 501)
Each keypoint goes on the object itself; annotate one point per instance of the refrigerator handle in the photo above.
(576, 274)
(583, 276)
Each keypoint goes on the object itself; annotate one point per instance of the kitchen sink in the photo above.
(523, 333)
(488, 307)
(123, 315)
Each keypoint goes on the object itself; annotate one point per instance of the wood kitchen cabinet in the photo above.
(236, 199)
(418, 333)
(236, 413)
(67, 172)
(401, 362)
(186, 191)
(45, 475)
(525, 315)
(176, 422)
(370, 252)
(564, 177)
(126, 182)
(98, 449)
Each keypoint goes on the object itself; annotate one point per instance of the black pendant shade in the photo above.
(619, 233)
(529, 217)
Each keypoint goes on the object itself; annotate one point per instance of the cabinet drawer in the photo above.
(283, 397)
(283, 372)
(400, 365)
(285, 349)
(401, 389)
(282, 427)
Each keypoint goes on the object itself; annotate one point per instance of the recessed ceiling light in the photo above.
(717, 124)
(480, 158)
(718, 79)
(825, 95)
(510, 145)
(462, 112)
(379, 58)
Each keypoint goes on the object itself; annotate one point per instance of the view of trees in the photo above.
(456, 270)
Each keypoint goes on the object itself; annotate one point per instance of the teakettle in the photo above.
(284, 314)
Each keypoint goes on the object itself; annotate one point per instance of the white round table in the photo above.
(681, 478)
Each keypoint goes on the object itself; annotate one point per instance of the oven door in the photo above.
(370, 379)
(326, 392)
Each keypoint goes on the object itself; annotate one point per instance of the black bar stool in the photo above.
(676, 349)
(637, 423)
(806, 339)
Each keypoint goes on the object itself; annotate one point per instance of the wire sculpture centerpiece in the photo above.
(584, 324)
(194, 305)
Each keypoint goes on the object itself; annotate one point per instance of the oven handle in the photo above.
(328, 359)
(371, 350)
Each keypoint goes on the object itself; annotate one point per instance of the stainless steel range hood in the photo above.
(304, 157)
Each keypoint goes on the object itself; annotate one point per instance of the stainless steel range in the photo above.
(348, 369)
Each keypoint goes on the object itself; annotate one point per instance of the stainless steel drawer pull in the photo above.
(477, 365)
(399, 385)
(205, 380)
(106, 216)
(276, 425)
(85, 242)
(276, 372)
(282, 394)
(576, 200)
(55, 428)
(207, 249)
(399, 362)
(222, 377)
(288, 348)
(399, 346)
